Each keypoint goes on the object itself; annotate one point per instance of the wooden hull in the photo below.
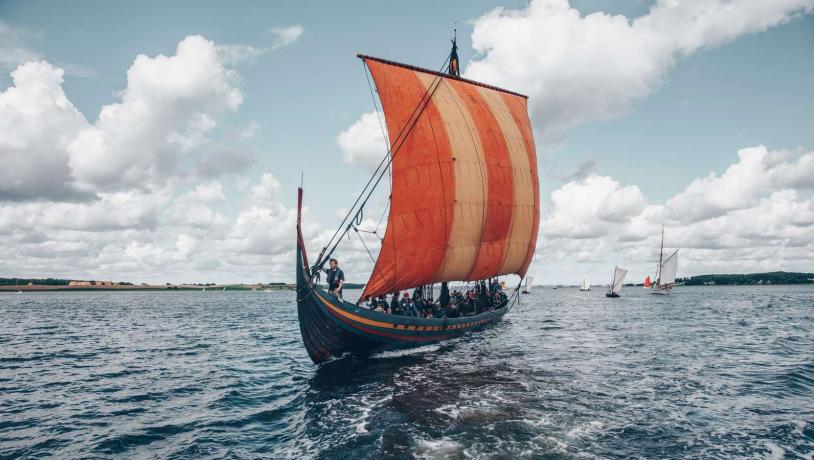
(331, 327)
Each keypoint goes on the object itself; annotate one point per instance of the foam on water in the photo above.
(707, 372)
(405, 352)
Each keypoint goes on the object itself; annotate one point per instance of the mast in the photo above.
(661, 254)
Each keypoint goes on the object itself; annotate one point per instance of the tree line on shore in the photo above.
(748, 279)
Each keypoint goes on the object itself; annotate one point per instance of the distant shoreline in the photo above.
(151, 287)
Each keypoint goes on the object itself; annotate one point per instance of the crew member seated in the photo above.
(407, 305)
(381, 304)
(494, 286)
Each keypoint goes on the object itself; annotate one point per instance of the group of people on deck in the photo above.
(477, 300)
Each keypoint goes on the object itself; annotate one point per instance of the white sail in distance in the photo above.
(668, 270)
(618, 279)
(586, 285)
(529, 279)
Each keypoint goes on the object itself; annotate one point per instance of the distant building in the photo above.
(80, 283)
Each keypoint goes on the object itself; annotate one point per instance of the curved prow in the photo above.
(302, 256)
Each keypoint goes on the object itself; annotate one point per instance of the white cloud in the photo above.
(363, 143)
(236, 54)
(284, 36)
(758, 215)
(584, 208)
(167, 109)
(112, 211)
(579, 68)
(37, 123)
(756, 172)
(192, 209)
(102, 200)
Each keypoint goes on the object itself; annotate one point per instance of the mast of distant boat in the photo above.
(661, 255)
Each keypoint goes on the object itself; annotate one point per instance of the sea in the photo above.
(707, 372)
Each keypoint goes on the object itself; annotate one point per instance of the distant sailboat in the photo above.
(527, 288)
(224, 288)
(203, 290)
(666, 277)
(586, 285)
(647, 282)
(617, 283)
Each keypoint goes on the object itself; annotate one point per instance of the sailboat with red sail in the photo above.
(464, 208)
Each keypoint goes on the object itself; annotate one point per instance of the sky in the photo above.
(156, 142)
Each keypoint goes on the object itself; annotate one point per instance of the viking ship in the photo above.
(463, 208)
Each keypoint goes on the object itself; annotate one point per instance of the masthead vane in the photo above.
(454, 69)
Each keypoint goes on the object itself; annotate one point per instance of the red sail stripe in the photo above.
(517, 107)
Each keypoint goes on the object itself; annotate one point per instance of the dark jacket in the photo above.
(333, 277)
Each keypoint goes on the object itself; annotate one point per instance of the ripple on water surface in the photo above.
(706, 372)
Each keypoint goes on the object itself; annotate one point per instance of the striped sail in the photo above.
(465, 202)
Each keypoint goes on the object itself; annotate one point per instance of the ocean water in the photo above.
(709, 372)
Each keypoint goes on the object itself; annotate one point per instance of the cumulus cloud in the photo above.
(119, 197)
(192, 209)
(584, 208)
(757, 215)
(363, 143)
(757, 171)
(166, 111)
(284, 36)
(111, 211)
(168, 107)
(579, 68)
(37, 123)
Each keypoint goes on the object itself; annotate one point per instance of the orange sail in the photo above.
(465, 200)
(647, 282)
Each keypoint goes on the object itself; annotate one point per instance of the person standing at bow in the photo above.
(335, 278)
